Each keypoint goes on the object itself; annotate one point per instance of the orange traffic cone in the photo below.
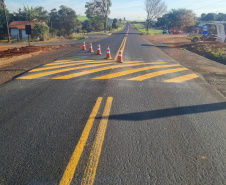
(120, 56)
(84, 45)
(98, 50)
(108, 56)
(91, 48)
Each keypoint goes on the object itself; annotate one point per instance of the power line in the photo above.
(209, 5)
(193, 2)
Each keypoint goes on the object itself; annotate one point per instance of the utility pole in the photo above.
(6, 21)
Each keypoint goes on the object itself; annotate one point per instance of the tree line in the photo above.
(213, 17)
(183, 19)
(63, 21)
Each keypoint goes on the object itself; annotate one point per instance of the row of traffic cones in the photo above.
(108, 56)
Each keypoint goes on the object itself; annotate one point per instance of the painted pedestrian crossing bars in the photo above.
(130, 70)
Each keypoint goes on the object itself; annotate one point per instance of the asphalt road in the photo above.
(87, 120)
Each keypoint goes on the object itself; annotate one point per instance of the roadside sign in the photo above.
(110, 22)
(205, 29)
(28, 29)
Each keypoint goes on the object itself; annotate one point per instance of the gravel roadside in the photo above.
(212, 72)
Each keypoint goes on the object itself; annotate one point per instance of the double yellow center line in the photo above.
(92, 164)
(123, 44)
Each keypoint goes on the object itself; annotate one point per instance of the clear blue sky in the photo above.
(131, 9)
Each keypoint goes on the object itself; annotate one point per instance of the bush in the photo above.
(39, 30)
(76, 37)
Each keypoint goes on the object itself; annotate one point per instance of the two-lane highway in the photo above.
(87, 120)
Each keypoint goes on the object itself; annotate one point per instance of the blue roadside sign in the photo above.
(205, 29)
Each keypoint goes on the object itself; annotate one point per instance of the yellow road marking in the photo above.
(74, 62)
(183, 78)
(120, 48)
(60, 71)
(127, 32)
(66, 65)
(71, 167)
(122, 73)
(158, 73)
(61, 63)
(55, 67)
(94, 157)
(92, 71)
(124, 45)
(141, 62)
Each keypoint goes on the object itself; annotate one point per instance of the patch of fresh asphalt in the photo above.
(158, 133)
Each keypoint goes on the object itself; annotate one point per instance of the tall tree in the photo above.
(154, 9)
(210, 17)
(99, 8)
(178, 18)
(183, 18)
(31, 14)
(42, 14)
(221, 17)
(40, 30)
(3, 27)
(63, 21)
(54, 18)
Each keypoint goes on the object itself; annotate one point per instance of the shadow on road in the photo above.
(147, 45)
(162, 113)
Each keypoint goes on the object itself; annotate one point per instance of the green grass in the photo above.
(82, 18)
(142, 28)
(141, 21)
(3, 41)
(118, 29)
(76, 37)
(109, 32)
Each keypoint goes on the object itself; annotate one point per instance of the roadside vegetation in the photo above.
(154, 10)
(143, 29)
(63, 22)
(213, 50)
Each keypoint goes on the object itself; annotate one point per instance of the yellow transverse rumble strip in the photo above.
(74, 75)
(90, 172)
(157, 73)
(61, 65)
(60, 71)
(55, 67)
(71, 167)
(182, 78)
(122, 73)
(68, 62)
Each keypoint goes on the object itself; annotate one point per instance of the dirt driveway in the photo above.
(213, 72)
